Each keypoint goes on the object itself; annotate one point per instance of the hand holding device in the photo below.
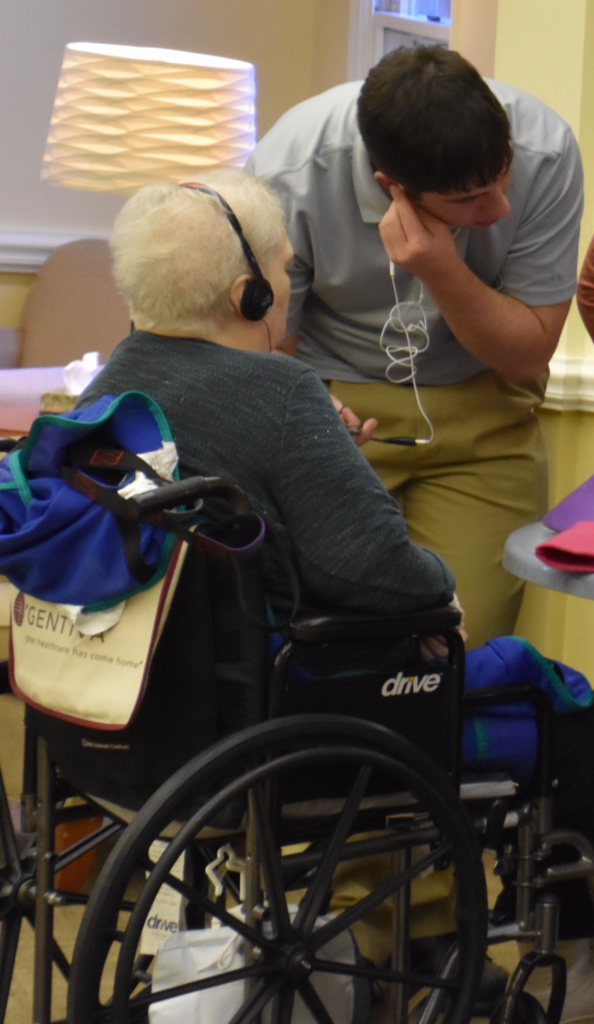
(361, 433)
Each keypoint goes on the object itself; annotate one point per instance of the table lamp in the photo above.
(125, 116)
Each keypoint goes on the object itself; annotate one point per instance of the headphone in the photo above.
(258, 297)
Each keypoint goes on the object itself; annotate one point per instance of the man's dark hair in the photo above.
(430, 122)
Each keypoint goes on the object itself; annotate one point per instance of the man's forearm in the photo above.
(515, 339)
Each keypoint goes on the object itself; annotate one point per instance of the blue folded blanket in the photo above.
(504, 736)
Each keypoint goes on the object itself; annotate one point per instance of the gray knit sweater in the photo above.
(267, 422)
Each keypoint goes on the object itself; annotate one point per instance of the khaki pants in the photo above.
(483, 476)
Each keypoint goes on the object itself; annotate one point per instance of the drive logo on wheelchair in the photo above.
(402, 684)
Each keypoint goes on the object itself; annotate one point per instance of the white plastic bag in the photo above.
(201, 953)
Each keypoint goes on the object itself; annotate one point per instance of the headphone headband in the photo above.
(258, 297)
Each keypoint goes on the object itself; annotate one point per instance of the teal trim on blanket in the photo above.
(14, 462)
(557, 683)
(86, 426)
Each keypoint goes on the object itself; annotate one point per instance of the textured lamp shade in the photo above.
(125, 116)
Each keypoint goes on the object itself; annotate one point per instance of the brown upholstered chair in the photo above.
(73, 307)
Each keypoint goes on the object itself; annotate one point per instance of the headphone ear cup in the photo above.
(256, 300)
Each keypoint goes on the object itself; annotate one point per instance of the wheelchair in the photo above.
(245, 803)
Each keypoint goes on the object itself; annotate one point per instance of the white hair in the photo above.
(176, 256)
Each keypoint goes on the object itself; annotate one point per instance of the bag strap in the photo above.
(89, 456)
(204, 537)
(205, 542)
(109, 499)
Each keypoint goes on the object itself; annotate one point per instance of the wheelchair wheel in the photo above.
(300, 802)
(11, 913)
(527, 1010)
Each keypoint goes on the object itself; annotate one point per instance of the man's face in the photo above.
(477, 208)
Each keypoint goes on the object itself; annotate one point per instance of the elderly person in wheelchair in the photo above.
(203, 268)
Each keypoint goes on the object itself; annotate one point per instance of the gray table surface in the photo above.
(519, 559)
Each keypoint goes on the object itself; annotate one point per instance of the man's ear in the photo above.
(386, 182)
(236, 293)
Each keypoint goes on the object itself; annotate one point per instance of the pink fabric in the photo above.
(572, 550)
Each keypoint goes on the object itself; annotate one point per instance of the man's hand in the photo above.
(502, 332)
(353, 422)
(414, 239)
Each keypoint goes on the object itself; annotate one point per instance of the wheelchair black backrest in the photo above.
(207, 679)
(373, 668)
(210, 676)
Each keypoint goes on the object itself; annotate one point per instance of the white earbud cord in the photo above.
(399, 362)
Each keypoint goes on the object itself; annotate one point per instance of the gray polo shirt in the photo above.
(341, 292)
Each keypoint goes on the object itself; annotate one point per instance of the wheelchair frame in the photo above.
(27, 874)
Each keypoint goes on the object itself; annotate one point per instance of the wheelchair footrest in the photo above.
(518, 1004)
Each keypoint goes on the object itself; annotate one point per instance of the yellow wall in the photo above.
(549, 55)
(474, 28)
(546, 49)
(331, 44)
(13, 292)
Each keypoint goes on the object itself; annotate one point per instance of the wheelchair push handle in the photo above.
(181, 492)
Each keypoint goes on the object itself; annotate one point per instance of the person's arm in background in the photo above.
(585, 291)
(348, 534)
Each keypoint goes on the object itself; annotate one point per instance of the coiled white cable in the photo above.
(401, 357)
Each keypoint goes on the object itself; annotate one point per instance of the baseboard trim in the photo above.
(23, 252)
(571, 384)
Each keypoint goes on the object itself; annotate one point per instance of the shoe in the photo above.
(579, 1000)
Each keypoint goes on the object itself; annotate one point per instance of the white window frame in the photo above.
(366, 34)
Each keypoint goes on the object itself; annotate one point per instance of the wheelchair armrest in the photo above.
(178, 492)
(343, 624)
(542, 782)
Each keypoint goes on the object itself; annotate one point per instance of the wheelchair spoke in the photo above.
(276, 754)
(60, 960)
(312, 902)
(147, 998)
(197, 898)
(10, 928)
(380, 974)
(314, 1003)
(88, 843)
(9, 854)
(268, 854)
(348, 917)
(256, 1002)
(282, 1007)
